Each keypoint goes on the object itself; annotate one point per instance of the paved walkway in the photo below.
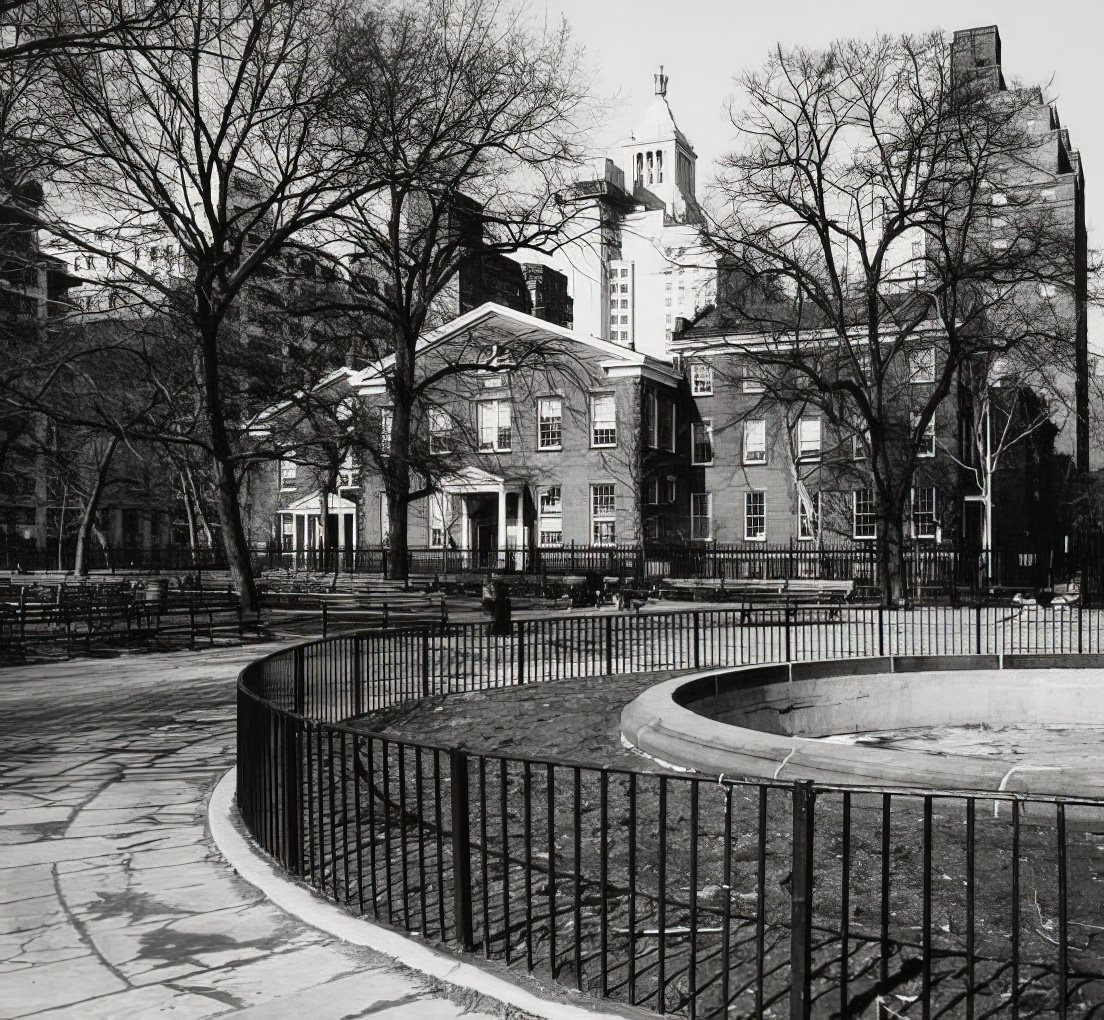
(113, 900)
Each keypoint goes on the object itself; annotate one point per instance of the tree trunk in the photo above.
(188, 513)
(398, 560)
(891, 554)
(88, 517)
(398, 464)
(61, 527)
(197, 503)
(234, 541)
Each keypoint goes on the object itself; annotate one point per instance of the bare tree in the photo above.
(881, 229)
(477, 118)
(221, 131)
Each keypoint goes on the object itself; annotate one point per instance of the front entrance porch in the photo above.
(300, 525)
(490, 526)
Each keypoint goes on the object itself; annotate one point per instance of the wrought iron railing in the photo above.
(677, 892)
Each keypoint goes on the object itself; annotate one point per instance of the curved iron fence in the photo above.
(676, 892)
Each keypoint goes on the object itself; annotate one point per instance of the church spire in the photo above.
(660, 82)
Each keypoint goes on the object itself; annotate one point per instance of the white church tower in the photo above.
(659, 158)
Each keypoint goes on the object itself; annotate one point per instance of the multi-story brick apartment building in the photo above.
(546, 451)
(772, 472)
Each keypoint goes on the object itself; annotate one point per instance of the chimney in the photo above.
(660, 82)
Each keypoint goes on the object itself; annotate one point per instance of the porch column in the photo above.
(501, 556)
(463, 521)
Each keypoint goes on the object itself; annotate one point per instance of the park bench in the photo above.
(755, 593)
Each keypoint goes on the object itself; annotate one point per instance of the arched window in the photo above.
(640, 167)
(659, 167)
(649, 168)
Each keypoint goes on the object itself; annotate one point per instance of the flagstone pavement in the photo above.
(113, 900)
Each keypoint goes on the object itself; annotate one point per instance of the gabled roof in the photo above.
(257, 422)
(498, 324)
(658, 125)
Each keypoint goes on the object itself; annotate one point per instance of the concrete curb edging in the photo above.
(311, 909)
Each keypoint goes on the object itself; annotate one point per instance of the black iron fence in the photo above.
(929, 566)
(74, 619)
(676, 892)
(26, 556)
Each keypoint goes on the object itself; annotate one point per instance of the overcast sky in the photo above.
(703, 43)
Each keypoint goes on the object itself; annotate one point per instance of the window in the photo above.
(651, 491)
(923, 512)
(808, 516)
(701, 380)
(922, 365)
(436, 521)
(439, 431)
(386, 416)
(701, 451)
(860, 445)
(288, 469)
(755, 441)
(347, 473)
(755, 516)
(926, 446)
(549, 423)
(865, 523)
(494, 426)
(649, 414)
(665, 424)
(701, 516)
(672, 489)
(749, 384)
(550, 512)
(808, 439)
(603, 420)
(603, 514)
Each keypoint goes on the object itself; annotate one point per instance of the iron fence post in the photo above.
(425, 662)
(881, 630)
(697, 638)
(300, 682)
(609, 646)
(461, 849)
(977, 626)
(786, 623)
(521, 651)
(801, 902)
(293, 796)
(358, 675)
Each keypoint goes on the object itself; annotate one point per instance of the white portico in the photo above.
(488, 521)
(301, 524)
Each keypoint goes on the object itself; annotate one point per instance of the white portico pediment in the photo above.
(312, 504)
(472, 479)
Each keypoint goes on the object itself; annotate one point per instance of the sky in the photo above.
(703, 44)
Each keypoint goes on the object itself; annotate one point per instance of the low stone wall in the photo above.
(768, 721)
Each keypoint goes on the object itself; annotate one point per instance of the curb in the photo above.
(256, 869)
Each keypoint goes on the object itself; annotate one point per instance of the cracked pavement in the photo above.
(114, 902)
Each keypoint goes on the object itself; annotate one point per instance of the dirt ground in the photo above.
(692, 860)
